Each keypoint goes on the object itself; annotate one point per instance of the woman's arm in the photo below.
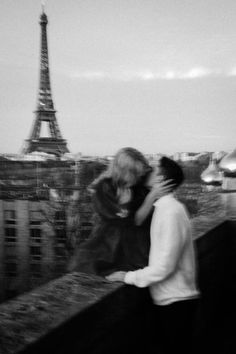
(144, 210)
(157, 191)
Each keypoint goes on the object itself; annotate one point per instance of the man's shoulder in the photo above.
(171, 206)
(168, 200)
(179, 211)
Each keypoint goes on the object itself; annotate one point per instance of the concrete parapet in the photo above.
(79, 313)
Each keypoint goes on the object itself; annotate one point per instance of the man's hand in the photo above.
(116, 276)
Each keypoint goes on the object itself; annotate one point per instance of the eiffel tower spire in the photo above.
(45, 96)
(45, 111)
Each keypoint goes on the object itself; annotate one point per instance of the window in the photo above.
(35, 252)
(10, 252)
(60, 215)
(10, 216)
(35, 217)
(35, 214)
(60, 218)
(35, 222)
(35, 235)
(61, 235)
(86, 224)
(61, 223)
(10, 234)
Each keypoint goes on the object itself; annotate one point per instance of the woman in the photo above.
(123, 208)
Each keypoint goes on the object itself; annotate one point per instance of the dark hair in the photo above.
(171, 170)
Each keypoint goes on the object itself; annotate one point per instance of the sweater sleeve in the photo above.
(168, 236)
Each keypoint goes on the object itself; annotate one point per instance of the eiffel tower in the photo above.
(45, 112)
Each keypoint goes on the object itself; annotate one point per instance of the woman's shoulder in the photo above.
(104, 184)
(105, 200)
(104, 191)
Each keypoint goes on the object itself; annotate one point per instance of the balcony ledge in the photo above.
(80, 313)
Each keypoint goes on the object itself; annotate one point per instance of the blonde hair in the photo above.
(127, 167)
(125, 170)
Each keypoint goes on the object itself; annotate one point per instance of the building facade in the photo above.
(32, 250)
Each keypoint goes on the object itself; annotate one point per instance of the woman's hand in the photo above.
(116, 276)
(160, 188)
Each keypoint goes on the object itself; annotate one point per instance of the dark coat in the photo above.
(115, 242)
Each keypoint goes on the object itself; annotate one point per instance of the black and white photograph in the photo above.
(117, 176)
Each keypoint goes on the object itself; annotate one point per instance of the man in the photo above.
(171, 272)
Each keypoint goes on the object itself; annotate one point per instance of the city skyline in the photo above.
(159, 76)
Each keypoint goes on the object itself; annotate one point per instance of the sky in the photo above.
(158, 75)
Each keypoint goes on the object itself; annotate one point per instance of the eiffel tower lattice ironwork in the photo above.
(45, 112)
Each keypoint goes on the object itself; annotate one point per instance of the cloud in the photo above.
(148, 75)
(194, 73)
(197, 73)
(232, 72)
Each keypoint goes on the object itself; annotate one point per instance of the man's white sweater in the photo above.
(171, 273)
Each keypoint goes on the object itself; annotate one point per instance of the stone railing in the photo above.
(79, 313)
